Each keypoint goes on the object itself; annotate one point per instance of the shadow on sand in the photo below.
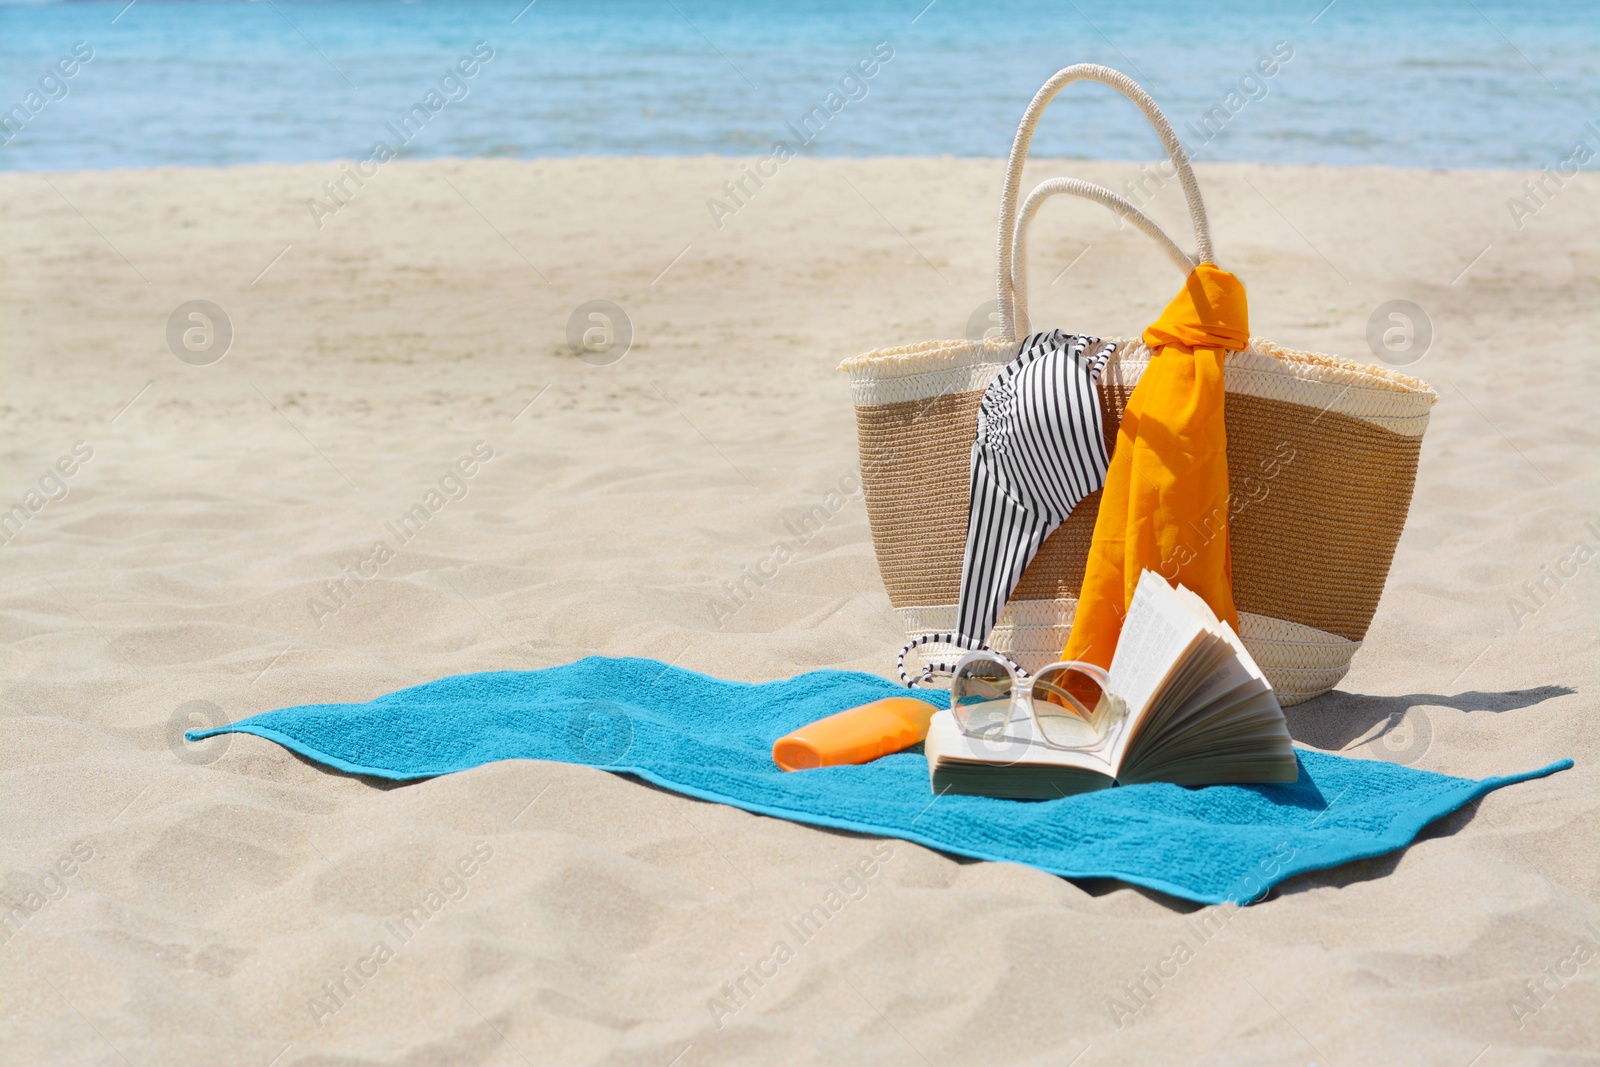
(1333, 720)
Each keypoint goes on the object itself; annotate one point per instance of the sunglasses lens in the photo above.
(980, 697)
(1073, 707)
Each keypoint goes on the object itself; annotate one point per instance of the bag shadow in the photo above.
(1334, 719)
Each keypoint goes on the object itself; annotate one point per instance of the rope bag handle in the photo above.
(1013, 311)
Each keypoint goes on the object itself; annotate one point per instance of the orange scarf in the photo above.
(1165, 505)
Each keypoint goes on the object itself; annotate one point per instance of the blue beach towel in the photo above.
(712, 739)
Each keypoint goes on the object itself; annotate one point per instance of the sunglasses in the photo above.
(1071, 703)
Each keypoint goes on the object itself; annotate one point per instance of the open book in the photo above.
(1200, 712)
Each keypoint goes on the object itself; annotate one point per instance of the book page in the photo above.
(1157, 631)
(1196, 603)
(1254, 718)
(1223, 630)
(1230, 729)
(1250, 743)
(1190, 694)
(1157, 634)
(1236, 678)
(1230, 682)
(1244, 655)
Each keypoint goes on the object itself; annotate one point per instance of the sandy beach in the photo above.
(182, 904)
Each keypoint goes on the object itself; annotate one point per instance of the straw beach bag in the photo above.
(1322, 457)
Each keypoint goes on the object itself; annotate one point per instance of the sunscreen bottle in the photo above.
(859, 735)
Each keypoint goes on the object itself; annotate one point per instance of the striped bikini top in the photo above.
(1039, 449)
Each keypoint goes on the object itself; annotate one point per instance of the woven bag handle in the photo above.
(1019, 156)
(1089, 191)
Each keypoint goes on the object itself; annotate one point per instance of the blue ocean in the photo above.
(1427, 83)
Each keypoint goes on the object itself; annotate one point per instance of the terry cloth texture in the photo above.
(710, 738)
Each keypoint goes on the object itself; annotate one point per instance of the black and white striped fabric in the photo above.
(1039, 449)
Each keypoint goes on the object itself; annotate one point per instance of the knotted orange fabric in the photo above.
(1165, 503)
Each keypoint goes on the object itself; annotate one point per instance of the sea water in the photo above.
(1437, 83)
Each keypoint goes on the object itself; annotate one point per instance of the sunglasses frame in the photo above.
(1022, 686)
